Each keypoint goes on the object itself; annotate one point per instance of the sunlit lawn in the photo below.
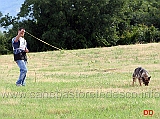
(80, 84)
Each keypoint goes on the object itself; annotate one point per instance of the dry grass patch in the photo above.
(76, 77)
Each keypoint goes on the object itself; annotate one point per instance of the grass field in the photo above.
(82, 84)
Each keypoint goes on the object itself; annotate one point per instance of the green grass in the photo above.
(82, 84)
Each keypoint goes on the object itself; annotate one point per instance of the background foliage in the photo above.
(77, 24)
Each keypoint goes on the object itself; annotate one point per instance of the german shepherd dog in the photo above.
(142, 75)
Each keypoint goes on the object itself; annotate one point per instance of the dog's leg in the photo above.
(140, 81)
(134, 80)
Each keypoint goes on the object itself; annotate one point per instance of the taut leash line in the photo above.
(42, 41)
(49, 44)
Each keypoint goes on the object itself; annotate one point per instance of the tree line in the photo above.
(78, 24)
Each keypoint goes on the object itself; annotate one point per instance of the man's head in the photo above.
(21, 31)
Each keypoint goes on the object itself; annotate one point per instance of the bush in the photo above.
(3, 48)
(140, 34)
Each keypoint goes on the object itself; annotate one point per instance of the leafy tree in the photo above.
(74, 24)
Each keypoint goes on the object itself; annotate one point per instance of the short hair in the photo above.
(19, 29)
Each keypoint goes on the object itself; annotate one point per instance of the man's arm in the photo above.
(19, 35)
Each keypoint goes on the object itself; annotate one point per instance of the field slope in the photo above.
(82, 84)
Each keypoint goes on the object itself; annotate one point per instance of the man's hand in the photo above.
(26, 50)
(20, 34)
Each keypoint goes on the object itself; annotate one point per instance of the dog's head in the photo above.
(146, 80)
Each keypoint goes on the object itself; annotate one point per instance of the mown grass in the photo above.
(79, 84)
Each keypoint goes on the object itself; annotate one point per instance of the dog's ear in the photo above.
(149, 78)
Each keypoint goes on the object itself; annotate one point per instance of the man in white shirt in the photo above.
(19, 45)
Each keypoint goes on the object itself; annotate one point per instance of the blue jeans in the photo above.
(23, 71)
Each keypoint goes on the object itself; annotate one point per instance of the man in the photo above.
(19, 45)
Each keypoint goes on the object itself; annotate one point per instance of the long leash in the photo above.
(43, 41)
(50, 44)
(46, 44)
(35, 78)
